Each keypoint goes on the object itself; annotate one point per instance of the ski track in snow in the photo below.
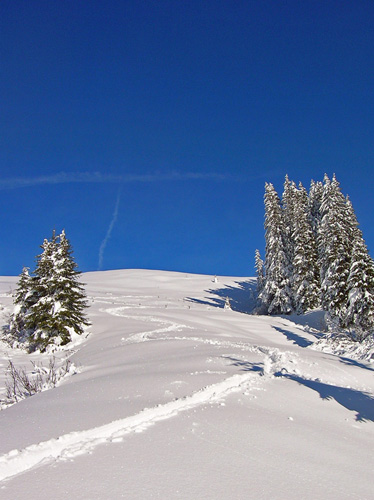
(144, 336)
(74, 444)
(274, 359)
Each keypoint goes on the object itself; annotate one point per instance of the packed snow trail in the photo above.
(79, 443)
(170, 326)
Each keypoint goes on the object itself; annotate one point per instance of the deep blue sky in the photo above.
(124, 100)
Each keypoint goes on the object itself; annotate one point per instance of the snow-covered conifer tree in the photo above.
(288, 203)
(39, 318)
(305, 278)
(359, 317)
(335, 250)
(276, 295)
(260, 272)
(70, 298)
(314, 201)
(360, 307)
(58, 299)
(24, 298)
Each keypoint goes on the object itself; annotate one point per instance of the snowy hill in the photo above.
(177, 397)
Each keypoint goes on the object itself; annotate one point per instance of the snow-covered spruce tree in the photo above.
(260, 272)
(335, 250)
(276, 295)
(314, 202)
(359, 317)
(24, 297)
(288, 204)
(70, 294)
(60, 298)
(305, 277)
(330, 263)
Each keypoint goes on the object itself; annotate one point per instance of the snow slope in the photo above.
(177, 397)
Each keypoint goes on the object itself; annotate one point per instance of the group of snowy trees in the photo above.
(316, 257)
(49, 303)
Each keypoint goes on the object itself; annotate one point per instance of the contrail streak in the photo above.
(109, 232)
(98, 177)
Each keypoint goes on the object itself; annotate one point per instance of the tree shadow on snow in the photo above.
(293, 337)
(242, 297)
(246, 366)
(362, 403)
(358, 401)
(352, 362)
(303, 342)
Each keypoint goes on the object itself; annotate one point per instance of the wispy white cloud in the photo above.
(99, 177)
(109, 231)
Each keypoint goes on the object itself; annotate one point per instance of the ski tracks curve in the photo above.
(73, 444)
(169, 326)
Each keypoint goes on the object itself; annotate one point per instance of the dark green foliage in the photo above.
(24, 298)
(50, 305)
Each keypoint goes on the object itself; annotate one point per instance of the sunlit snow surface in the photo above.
(177, 397)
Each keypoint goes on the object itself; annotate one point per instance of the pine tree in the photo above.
(276, 295)
(347, 273)
(351, 223)
(335, 250)
(69, 292)
(359, 317)
(314, 203)
(58, 299)
(288, 203)
(305, 279)
(260, 272)
(316, 255)
(38, 321)
(24, 298)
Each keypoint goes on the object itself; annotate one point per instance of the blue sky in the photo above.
(148, 129)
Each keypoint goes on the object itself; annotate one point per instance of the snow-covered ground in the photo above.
(177, 397)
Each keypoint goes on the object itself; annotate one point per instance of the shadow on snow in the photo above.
(362, 403)
(246, 366)
(294, 338)
(352, 362)
(358, 401)
(242, 297)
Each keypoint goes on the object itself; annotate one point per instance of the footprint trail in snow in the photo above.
(78, 443)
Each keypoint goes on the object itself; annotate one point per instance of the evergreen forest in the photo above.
(316, 256)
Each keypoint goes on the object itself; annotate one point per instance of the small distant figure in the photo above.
(215, 279)
(227, 304)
